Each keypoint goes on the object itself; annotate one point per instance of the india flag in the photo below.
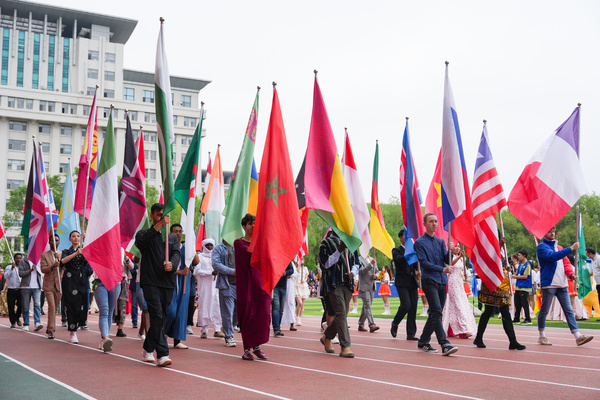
(103, 237)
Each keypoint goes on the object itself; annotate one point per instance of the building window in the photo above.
(63, 167)
(65, 75)
(65, 108)
(86, 110)
(129, 94)
(17, 145)
(51, 45)
(174, 120)
(20, 102)
(109, 58)
(66, 130)
(148, 96)
(35, 77)
(92, 55)
(45, 147)
(150, 136)
(14, 184)
(20, 58)
(73, 109)
(20, 126)
(186, 101)
(44, 128)
(83, 131)
(193, 122)
(109, 76)
(150, 174)
(150, 154)
(42, 105)
(92, 73)
(5, 46)
(29, 104)
(65, 148)
(90, 91)
(186, 140)
(106, 112)
(133, 115)
(51, 106)
(186, 121)
(16, 165)
(109, 94)
(46, 166)
(183, 157)
(11, 102)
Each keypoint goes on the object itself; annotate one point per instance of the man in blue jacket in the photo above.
(555, 270)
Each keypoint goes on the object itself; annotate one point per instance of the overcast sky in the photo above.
(521, 65)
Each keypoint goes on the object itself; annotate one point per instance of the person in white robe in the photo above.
(289, 308)
(208, 296)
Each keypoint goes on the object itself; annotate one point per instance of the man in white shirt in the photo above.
(13, 294)
(31, 286)
(591, 253)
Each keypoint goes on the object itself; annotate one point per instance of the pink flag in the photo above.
(88, 161)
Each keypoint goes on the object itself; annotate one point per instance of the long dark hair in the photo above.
(386, 268)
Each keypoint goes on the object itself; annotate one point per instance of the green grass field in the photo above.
(314, 307)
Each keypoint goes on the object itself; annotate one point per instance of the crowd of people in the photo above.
(220, 283)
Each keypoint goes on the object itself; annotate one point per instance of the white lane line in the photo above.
(71, 388)
(147, 364)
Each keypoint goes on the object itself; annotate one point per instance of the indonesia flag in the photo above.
(357, 199)
(551, 182)
(488, 199)
(456, 197)
(410, 197)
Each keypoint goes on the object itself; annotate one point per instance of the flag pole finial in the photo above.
(201, 103)
(345, 129)
(578, 104)
(126, 111)
(485, 121)
(406, 119)
(274, 84)
(316, 72)
(447, 63)
(141, 127)
(376, 141)
(97, 86)
(112, 106)
(258, 88)
(162, 20)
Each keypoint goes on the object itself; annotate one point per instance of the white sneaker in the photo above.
(189, 330)
(107, 344)
(423, 314)
(298, 321)
(25, 328)
(74, 338)
(335, 340)
(142, 337)
(38, 327)
(164, 361)
(148, 357)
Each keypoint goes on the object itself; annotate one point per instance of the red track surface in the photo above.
(298, 367)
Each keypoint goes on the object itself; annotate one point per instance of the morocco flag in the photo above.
(277, 232)
(103, 236)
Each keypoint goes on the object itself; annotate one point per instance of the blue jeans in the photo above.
(227, 305)
(277, 307)
(562, 294)
(436, 297)
(134, 306)
(27, 294)
(106, 303)
(139, 292)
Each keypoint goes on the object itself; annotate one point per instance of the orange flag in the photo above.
(278, 231)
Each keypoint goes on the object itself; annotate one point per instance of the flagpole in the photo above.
(90, 136)
(7, 244)
(506, 255)
(449, 241)
(49, 211)
(577, 206)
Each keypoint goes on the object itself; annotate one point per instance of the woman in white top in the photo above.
(301, 290)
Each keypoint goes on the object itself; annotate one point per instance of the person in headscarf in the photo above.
(208, 297)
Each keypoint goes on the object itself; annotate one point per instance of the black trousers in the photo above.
(157, 300)
(436, 297)
(191, 310)
(13, 297)
(521, 302)
(409, 297)
(506, 322)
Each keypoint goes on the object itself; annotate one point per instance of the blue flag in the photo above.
(68, 220)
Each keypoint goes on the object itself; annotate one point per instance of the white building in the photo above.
(51, 60)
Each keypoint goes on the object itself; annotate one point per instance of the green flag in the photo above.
(585, 282)
(164, 121)
(237, 201)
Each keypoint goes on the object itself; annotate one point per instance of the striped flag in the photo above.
(325, 188)
(38, 231)
(253, 191)
(488, 199)
(88, 161)
(239, 190)
(456, 197)
(410, 198)
(213, 203)
(299, 183)
(382, 240)
(103, 237)
(164, 121)
(357, 198)
(28, 200)
(202, 224)
(67, 219)
(2, 230)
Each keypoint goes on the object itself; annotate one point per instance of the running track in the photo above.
(32, 366)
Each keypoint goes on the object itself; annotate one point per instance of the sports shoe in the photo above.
(323, 326)
(526, 322)
(142, 336)
(427, 348)
(181, 346)
(278, 333)
(229, 342)
(74, 338)
(424, 314)
(260, 355)
(583, 339)
(64, 324)
(298, 321)
(148, 357)
(164, 361)
(189, 330)
(544, 341)
(13, 326)
(335, 340)
(204, 335)
(19, 322)
(219, 334)
(373, 328)
(120, 333)
(107, 344)
(38, 327)
(134, 326)
(236, 329)
(447, 350)
(50, 335)
(26, 328)
(85, 328)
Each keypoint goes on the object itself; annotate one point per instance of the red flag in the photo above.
(2, 230)
(433, 202)
(277, 232)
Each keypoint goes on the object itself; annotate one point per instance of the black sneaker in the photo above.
(134, 326)
(120, 333)
(394, 330)
(427, 348)
(447, 350)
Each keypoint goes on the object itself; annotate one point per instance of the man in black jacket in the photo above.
(407, 285)
(157, 279)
